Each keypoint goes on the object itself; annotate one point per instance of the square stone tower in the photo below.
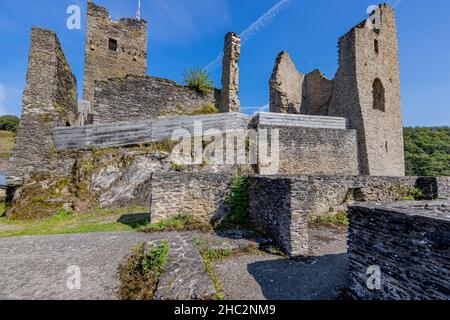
(367, 92)
(113, 48)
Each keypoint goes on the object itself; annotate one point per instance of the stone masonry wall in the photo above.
(275, 210)
(101, 63)
(279, 205)
(366, 56)
(199, 194)
(317, 91)
(49, 101)
(286, 85)
(229, 100)
(310, 151)
(409, 241)
(144, 98)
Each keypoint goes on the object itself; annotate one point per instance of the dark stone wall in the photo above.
(144, 98)
(200, 194)
(409, 241)
(280, 205)
(276, 211)
(49, 101)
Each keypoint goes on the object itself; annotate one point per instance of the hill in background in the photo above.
(427, 151)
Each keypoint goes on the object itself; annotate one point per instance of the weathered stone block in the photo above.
(409, 242)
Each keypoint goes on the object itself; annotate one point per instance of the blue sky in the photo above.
(189, 33)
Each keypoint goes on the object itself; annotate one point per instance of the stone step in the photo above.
(184, 277)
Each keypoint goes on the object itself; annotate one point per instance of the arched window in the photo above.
(378, 95)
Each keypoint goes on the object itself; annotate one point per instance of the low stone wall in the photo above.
(200, 194)
(281, 205)
(275, 210)
(409, 241)
(144, 98)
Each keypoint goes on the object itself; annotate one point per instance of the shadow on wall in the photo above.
(321, 278)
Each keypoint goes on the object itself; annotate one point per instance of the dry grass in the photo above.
(6, 144)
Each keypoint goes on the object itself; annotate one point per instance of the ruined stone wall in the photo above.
(286, 85)
(144, 98)
(49, 101)
(276, 211)
(366, 55)
(409, 242)
(229, 100)
(311, 151)
(101, 62)
(199, 194)
(317, 94)
(280, 205)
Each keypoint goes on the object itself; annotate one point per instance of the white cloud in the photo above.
(256, 109)
(2, 100)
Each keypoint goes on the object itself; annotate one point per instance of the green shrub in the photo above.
(238, 201)
(199, 80)
(140, 273)
(9, 123)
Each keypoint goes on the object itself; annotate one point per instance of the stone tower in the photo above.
(113, 48)
(229, 99)
(49, 101)
(367, 92)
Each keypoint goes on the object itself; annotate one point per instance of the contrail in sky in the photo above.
(253, 29)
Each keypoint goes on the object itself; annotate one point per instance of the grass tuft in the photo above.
(140, 272)
(338, 219)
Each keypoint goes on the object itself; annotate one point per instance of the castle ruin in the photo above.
(337, 137)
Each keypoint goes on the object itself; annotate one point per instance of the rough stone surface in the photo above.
(281, 205)
(49, 101)
(184, 277)
(286, 85)
(318, 91)
(310, 151)
(35, 267)
(409, 241)
(229, 100)
(380, 133)
(129, 56)
(200, 194)
(368, 60)
(274, 209)
(144, 98)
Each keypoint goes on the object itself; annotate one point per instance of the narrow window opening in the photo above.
(376, 46)
(386, 147)
(378, 95)
(112, 44)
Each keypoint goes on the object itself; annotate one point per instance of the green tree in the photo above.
(427, 151)
(9, 123)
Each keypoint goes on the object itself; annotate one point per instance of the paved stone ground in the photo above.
(35, 267)
(185, 277)
(321, 276)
